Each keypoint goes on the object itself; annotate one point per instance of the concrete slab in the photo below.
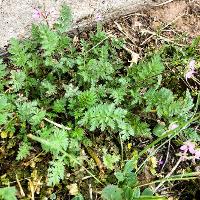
(16, 15)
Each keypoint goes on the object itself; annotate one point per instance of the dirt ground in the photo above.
(165, 23)
(185, 16)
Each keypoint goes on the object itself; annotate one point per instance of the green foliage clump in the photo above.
(127, 189)
(147, 71)
(24, 150)
(54, 91)
(165, 104)
(103, 116)
(8, 193)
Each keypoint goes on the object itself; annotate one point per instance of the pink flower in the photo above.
(188, 147)
(191, 71)
(160, 162)
(98, 17)
(173, 126)
(192, 64)
(197, 154)
(37, 14)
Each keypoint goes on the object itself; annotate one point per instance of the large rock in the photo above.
(16, 15)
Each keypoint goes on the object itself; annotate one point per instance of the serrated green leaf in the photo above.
(120, 176)
(136, 192)
(56, 172)
(64, 21)
(109, 160)
(38, 116)
(111, 192)
(128, 193)
(24, 151)
(49, 40)
(17, 79)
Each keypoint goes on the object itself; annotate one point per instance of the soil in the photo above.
(176, 17)
(185, 15)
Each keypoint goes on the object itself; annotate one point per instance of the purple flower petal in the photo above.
(184, 148)
(191, 71)
(37, 14)
(173, 126)
(160, 162)
(192, 64)
(197, 154)
(192, 150)
(98, 17)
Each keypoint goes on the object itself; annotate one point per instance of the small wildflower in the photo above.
(37, 14)
(49, 16)
(197, 154)
(191, 71)
(129, 146)
(188, 147)
(153, 161)
(98, 17)
(192, 64)
(160, 162)
(173, 126)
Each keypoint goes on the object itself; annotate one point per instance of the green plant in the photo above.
(59, 94)
(8, 193)
(126, 188)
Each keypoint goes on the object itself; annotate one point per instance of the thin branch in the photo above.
(98, 44)
(169, 174)
(57, 125)
(20, 187)
(167, 155)
(169, 179)
(161, 37)
(124, 32)
(164, 3)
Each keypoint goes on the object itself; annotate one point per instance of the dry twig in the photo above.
(20, 187)
(164, 3)
(57, 125)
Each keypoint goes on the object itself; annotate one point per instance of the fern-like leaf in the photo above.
(49, 40)
(147, 71)
(19, 53)
(64, 21)
(56, 172)
(54, 140)
(96, 70)
(17, 80)
(26, 110)
(103, 116)
(23, 151)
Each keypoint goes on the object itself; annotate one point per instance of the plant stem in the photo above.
(122, 150)
(169, 179)
(169, 174)
(57, 125)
